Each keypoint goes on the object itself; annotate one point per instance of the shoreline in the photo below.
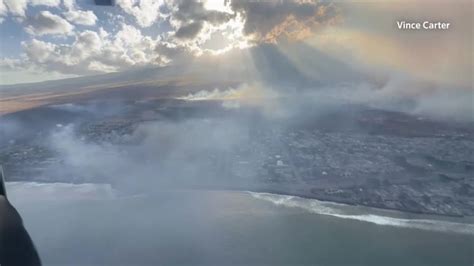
(338, 201)
(347, 202)
(281, 192)
(71, 195)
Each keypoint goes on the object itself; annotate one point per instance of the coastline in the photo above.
(292, 191)
(310, 196)
(382, 217)
(71, 194)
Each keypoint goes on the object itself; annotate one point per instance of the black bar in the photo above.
(3, 191)
(104, 2)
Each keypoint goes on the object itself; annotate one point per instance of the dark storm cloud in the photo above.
(189, 31)
(268, 21)
(189, 11)
(190, 16)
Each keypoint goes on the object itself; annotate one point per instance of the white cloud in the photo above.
(87, 44)
(146, 12)
(3, 8)
(101, 67)
(69, 4)
(98, 51)
(18, 7)
(45, 2)
(126, 46)
(3, 11)
(201, 27)
(46, 22)
(11, 64)
(77, 16)
(95, 52)
(81, 17)
(40, 52)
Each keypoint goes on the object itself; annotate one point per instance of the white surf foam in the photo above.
(335, 209)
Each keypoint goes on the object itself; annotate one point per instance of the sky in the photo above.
(54, 39)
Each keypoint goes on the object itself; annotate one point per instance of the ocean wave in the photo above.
(340, 211)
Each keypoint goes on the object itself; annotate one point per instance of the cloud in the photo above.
(94, 52)
(11, 64)
(172, 51)
(191, 25)
(192, 10)
(77, 16)
(195, 27)
(46, 22)
(45, 2)
(87, 18)
(269, 21)
(18, 7)
(190, 17)
(189, 31)
(39, 51)
(101, 67)
(185, 29)
(145, 12)
(3, 11)
(69, 4)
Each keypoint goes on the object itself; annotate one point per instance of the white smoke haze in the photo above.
(246, 92)
(136, 202)
(447, 106)
(157, 155)
(394, 92)
(231, 104)
(398, 94)
(434, 102)
(162, 154)
(215, 94)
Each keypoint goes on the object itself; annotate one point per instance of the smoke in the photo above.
(396, 93)
(155, 156)
(137, 171)
(417, 98)
(215, 94)
(447, 106)
(124, 161)
(249, 93)
(197, 150)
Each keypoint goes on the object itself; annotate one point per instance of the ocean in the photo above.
(94, 225)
